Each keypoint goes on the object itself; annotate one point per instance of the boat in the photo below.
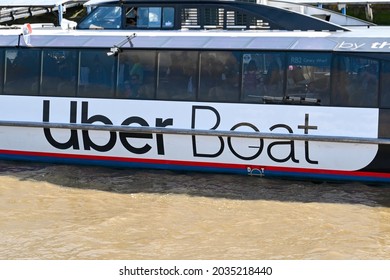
(204, 86)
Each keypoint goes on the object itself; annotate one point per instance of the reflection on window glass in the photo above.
(212, 76)
(385, 85)
(177, 75)
(136, 74)
(59, 73)
(96, 74)
(143, 17)
(1, 71)
(219, 78)
(103, 18)
(262, 76)
(355, 81)
(308, 77)
(154, 17)
(149, 17)
(22, 72)
(168, 17)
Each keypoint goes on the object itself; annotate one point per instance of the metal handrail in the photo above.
(199, 132)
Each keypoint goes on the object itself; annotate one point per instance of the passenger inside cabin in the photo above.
(340, 81)
(95, 77)
(212, 80)
(132, 87)
(262, 76)
(273, 78)
(385, 85)
(251, 80)
(308, 77)
(178, 75)
(131, 17)
(146, 91)
(189, 81)
(137, 64)
(297, 74)
(226, 83)
(137, 68)
(319, 88)
(225, 90)
(297, 83)
(207, 80)
(22, 72)
(219, 76)
(59, 73)
(123, 69)
(368, 77)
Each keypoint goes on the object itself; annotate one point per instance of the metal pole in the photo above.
(60, 14)
(200, 132)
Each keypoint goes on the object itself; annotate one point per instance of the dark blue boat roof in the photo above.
(271, 17)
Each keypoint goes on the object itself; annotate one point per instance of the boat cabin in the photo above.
(196, 15)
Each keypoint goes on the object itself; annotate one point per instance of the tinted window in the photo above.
(59, 73)
(149, 17)
(103, 18)
(131, 17)
(96, 75)
(2, 70)
(22, 68)
(355, 81)
(385, 85)
(219, 77)
(168, 20)
(262, 76)
(177, 75)
(308, 76)
(136, 74)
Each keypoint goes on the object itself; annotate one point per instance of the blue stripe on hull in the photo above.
(124, 164)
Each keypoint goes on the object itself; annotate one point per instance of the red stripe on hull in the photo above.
(215, 165)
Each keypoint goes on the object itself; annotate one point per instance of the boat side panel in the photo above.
(271, 157)
(382, 159)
